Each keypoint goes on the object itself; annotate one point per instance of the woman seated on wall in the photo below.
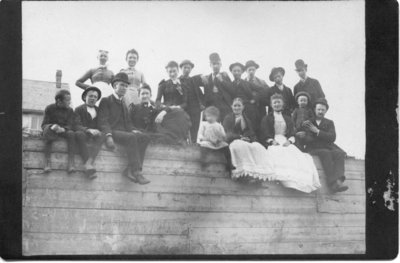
(293, 168)
(172, 121)
(100, 76)
(248, 156)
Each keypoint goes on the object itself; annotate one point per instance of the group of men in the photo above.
(112, 122)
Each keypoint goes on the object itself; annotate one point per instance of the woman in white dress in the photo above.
(100, 76)
(293, 168)
(248, 156)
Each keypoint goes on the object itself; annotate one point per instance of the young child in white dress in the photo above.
(212, 136)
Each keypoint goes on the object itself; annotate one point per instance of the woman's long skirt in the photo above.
(293, 168)
(251, 159)
(174, 128)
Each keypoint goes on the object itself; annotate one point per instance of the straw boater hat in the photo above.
(302, 93)
(299, 64)
(84, 93)
(251, 63)
(275, 71)
(322, 101)
(236, 64)
(121, 76)
(186, 62)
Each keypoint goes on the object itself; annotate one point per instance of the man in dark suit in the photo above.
(307, 84)
(195, 98)
(321, 143)
(87, 114)
(217, 90)
(276, 76)
(116, 124)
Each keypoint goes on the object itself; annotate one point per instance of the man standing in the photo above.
(217, 91)
(279, 88)
(263, 90)
(194, 97)
(116, 124)
(322, 144)
(88, 123)
(307, 84)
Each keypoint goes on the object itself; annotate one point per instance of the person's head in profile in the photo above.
(145, 93)
(120, 84)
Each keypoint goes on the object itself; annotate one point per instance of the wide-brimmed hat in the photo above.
(214, 57)
(299, 64)
(186, 62)
(322, 101)
(302, 93)
(120, 76)
(236, 64)
(275, 71)
(251, 63)
(172, 64)
(89, 89)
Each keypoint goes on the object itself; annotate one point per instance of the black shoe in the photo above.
(336, 188)
(139, 178)
(128, 174)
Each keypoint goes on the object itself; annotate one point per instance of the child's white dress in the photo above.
(209, 133)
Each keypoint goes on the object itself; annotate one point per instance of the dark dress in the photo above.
(176, 123)
(312, 87)
(114, 120)
(248, 93)
(288, 99)
(85, 122)
(219, 94)
(262, 96)
(67, 119)
(195, 102)
(332, 156)
(267, 128)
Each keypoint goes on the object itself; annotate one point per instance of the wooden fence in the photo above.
(184, 210)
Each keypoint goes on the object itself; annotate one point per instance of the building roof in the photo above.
(37, 94)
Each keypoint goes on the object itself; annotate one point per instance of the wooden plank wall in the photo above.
(184, 210)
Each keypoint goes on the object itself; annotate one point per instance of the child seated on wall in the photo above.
(302, 113)
(212, 136)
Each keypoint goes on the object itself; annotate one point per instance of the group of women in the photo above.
(261, 145)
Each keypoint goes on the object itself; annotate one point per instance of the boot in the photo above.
(139, 177)
(71, 165)
(338, 187)
(47, 167)
(89, 169)
(127, 173)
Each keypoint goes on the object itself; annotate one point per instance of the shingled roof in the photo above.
(37, 94)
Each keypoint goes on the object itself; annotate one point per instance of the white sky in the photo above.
(329, 36)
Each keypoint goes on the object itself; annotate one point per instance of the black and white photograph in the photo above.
(195, 128)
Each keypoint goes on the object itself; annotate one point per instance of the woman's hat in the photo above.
(300, 65)
(274, 71)
(120, 76)
(186, 62)
(251, 63)
(214, 57)
(172, 64)
(89, 89)
(322, 101)
(302, 93)
(236, 64)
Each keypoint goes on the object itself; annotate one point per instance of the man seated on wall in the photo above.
(59, 122)
(321, 143)
(87, 114)
(116, 124)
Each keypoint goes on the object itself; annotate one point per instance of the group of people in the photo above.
(265, 133)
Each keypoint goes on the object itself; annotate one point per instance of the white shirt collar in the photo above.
(280, 87)
(92, 111)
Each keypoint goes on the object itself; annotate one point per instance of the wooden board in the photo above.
(94, 244)
(102, 221)
(343, 247)
(341, 204)
(59, 179)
